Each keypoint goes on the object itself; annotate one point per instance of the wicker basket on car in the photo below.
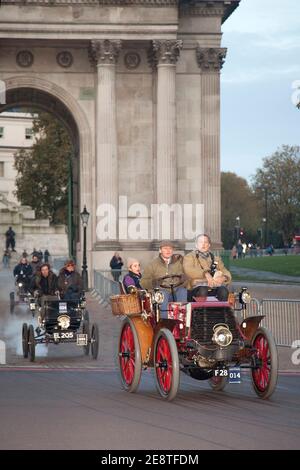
(128, 304)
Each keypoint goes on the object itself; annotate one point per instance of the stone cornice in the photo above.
(104, 51)
(219, 8)
(150, 3)
(210, 59)
(164, 52)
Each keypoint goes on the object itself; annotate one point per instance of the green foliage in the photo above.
(43, 170)
(277, 186)
(237, 199)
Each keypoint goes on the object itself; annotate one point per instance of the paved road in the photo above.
(68, 401)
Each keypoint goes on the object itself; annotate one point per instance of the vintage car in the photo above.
(206, 339)
(60, 321)
(21, 294)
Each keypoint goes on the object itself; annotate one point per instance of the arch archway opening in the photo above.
(36, 101)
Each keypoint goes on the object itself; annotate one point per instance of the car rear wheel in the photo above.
(129, 357)
(95, 341)
(31, 343)
(264, 376)
(25, 340)
(166, 364)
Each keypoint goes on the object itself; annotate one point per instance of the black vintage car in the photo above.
(21, 293)
(60, 321)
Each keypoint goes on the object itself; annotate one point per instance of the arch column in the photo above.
(104, 54)
(165, 55)
(210, 62)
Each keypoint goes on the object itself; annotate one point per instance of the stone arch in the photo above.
(34, 91)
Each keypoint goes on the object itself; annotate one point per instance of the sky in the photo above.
(257, 80)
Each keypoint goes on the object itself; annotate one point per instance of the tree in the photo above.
(238, 200)
(43, 169)
(277, 186)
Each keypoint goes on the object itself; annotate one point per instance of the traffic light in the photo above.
(242, 232)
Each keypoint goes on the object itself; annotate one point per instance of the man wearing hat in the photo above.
(166, 264)
(69, 282)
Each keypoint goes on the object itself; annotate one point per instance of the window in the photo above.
(1, 169)
(1, 132)
(28, 133)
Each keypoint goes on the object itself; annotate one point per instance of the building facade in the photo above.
(137, 82)
(15, 134)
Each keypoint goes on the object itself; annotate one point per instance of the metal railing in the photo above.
(104, 285)
(282, 316)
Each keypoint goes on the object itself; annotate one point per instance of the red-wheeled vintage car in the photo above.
(204, 339)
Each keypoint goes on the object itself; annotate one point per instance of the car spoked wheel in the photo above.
(86, 331)
(31, 343)
(264, 375)
(129, 357)
(25, 340)
(218, 383)
(95, 341)
(166, 364)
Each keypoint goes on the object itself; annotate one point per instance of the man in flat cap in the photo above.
(166, 264)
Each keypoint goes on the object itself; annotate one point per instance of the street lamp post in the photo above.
(84, 215)
(237, 219)
(264, 220)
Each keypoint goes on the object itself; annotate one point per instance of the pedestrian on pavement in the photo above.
(24, 254)
(116, 264)
(46, 256)
(245, 248)
(239, 249)
(6, 259)
(10, 239)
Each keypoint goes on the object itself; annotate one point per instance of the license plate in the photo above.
(64, 335)
(221, 372)
(82, 339)
(62, 307)
(232, 373)
(235, 376)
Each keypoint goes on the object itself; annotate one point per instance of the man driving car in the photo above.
(45, 281)
(23, 272)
